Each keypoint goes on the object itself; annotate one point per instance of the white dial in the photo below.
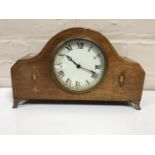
(79, 65)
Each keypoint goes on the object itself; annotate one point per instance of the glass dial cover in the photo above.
(78, 65)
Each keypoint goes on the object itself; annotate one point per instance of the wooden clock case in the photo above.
(32, 79)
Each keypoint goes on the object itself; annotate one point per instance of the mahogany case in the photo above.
(32, 79)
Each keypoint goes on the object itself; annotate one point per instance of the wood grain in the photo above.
(110, 88)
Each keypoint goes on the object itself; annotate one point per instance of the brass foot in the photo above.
(16, 102)
(137, 106)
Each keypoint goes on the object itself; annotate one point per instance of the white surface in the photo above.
(76, 119)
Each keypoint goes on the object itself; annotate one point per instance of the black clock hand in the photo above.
(78, 65)
(88, 70)
(70, 59)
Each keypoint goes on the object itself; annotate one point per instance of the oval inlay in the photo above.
(121, 79)
(35, 90)
(34, 77)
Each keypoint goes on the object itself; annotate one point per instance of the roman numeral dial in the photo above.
(80, 45)
(69, 47)
(77, 83)
(79, 65)
(68, 82)
(61, 74)
(98, 66)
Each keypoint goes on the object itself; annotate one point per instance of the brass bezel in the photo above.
(52, 65)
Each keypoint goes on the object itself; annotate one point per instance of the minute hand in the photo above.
(88, 70)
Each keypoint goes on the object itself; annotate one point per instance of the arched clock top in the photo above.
(71, 33)
(101, 75)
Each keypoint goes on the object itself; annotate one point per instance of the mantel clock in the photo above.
(77, 64)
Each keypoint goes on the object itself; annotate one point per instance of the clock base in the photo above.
(18, 101)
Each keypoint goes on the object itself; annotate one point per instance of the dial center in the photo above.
(78, 66)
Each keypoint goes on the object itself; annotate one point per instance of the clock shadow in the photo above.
(72, 102)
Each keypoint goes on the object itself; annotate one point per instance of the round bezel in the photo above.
(54, 76)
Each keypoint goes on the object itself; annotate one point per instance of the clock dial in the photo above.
(79, 65)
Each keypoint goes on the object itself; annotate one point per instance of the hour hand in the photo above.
(69, 58)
